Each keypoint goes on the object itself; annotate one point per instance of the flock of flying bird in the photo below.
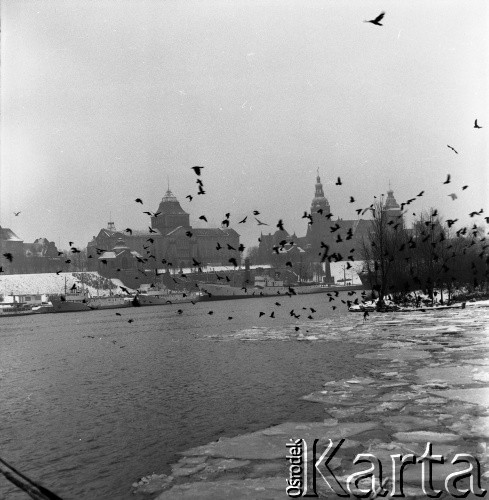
(280, 225)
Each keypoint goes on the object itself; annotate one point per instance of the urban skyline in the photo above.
(98, 110)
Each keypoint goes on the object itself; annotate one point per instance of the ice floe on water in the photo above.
(428, 382)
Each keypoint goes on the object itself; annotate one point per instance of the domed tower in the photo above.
(318, 230)
(170, 214)
(319, 202)
(392, 208)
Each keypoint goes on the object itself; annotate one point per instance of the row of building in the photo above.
(172, 243)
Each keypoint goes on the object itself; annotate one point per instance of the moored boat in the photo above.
(24, 304)
(109, 302)
(155, 297)
(263, 286)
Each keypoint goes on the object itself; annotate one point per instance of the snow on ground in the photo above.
(49, 283)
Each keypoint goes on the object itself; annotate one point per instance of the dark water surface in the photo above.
(87, 417)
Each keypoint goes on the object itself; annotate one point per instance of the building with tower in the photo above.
(325, 235)
(170, 243)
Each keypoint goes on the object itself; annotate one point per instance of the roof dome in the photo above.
(390, 202)
(170, 205)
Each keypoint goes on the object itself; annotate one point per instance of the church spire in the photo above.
(319, 187)
(319, 202)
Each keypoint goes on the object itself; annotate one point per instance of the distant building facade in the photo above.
(170, 242)
(41, 256)
(341, 238)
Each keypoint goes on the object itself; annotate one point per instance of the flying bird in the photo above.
(476, 125)
(377, 20)
(352, 200)
(338, 182)
(202, 217)
(255, 212)
(17, 213)
(8, 256)
(260, 223)
(421, 194)
(190, 197)
(448, 179)
(453, 196)
(243, 221)
(233, 261)
(151, 230)
(280, 225)
(464, 188)
(139, 200)
(197, 170)
(453, 149)
(128, 230)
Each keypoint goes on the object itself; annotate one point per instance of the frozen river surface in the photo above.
(91, 402)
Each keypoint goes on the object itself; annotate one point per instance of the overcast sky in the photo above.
(103, 100)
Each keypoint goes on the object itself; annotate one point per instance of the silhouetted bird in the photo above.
(230, 247)
(243, 221)
(17, 213)
(352, 200)
(189, 234)
(8, 256)
(377, 20)
(190, 197)
(139, 200)
(260, 223)
(261, 314)
(202, 217)
(130, 321)
(464, 188)
(453, 196)
(448, 179)
(288, 263)
(453, 149)
(128, 230)
(233, 261)
(151, 230)
(218, 246)
(280, 225)
(225, 223)
(476, 125)
(201, 191)
(421, 194)
(338, 182)
(197, 170)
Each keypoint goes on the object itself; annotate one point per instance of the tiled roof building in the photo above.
(335, 236)
(171, 242)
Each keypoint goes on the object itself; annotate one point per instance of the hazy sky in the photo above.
(102, 100)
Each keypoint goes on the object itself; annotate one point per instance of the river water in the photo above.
(90, 402)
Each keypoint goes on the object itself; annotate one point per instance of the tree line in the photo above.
(430, 256)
